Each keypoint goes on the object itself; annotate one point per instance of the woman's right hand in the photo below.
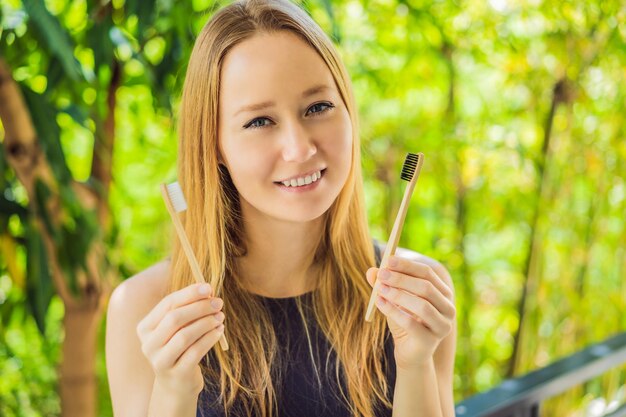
(177, 333)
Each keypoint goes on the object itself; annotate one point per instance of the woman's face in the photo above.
(282, 123)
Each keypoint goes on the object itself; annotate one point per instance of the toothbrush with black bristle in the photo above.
(176, 203)
(410, 172)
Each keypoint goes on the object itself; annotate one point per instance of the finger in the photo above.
(393, 313)
(418, 307)
(371, 275)
(178, 298)
(420, 270)
(185, 337)
(420, 287)
(196, 352)
(178, 318)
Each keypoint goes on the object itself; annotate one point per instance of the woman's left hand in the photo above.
(419, 307)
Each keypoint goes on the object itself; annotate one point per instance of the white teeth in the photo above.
(309, 179)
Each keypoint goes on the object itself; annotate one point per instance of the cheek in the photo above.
(339, 143)
(243, 162)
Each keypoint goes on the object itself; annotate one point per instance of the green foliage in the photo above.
(517, 107)
(29, 377)
(48, 133)
(39, 289)
(53, 36)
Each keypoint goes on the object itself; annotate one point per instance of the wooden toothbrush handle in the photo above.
(193, 262)
(394, 238)
(195, 268)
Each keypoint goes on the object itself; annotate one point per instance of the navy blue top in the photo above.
(300, 394)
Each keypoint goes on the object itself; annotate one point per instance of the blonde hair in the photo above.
(247, 373)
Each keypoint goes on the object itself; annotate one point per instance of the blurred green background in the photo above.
(517, 105)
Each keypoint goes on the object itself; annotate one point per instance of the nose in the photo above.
(297, 144)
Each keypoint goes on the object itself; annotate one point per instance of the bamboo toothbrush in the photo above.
(410, 171)
(176, 203)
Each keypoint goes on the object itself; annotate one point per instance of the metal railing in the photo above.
(522, 396)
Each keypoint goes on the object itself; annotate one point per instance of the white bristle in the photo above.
(176, 197)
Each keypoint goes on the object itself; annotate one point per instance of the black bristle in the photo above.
(409, 167)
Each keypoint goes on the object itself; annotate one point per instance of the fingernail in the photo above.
(384, 274)
(393, 261)
(216, 303)
(204, 289)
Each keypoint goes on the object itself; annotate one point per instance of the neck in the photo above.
(279, 261)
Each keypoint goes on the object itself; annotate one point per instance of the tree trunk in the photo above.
(82, 313)
(531, 272)
(78, 382)
(466, 287)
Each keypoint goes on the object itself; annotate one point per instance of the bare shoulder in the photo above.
(436, 266)
(129, 372)
(145, 289)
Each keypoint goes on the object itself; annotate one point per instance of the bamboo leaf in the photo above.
(145, 11)
(55, 74)
(78, 232)
(11, 207)
(42, 194)
(73, 238)
(78, 114)
(54, 36)
(39, 288)
(44, 119)
(169, 63)
(99, 40)
(336, 31)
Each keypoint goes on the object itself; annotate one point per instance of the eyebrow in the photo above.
(266, 104)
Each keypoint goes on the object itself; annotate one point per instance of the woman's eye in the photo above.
(320, 108)
(316, 109)
(257, 123)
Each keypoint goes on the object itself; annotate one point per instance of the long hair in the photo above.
(247, 373)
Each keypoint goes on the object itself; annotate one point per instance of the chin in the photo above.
(303, 214)
(301, 218)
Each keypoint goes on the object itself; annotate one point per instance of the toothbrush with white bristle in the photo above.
(410, 172)
(176, 203)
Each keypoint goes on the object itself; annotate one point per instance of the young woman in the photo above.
(269, 164)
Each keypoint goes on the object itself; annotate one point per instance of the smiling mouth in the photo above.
(303, 180)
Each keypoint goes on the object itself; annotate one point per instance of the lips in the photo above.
(302, 179)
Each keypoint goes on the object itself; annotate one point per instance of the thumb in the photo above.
(371, 275)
